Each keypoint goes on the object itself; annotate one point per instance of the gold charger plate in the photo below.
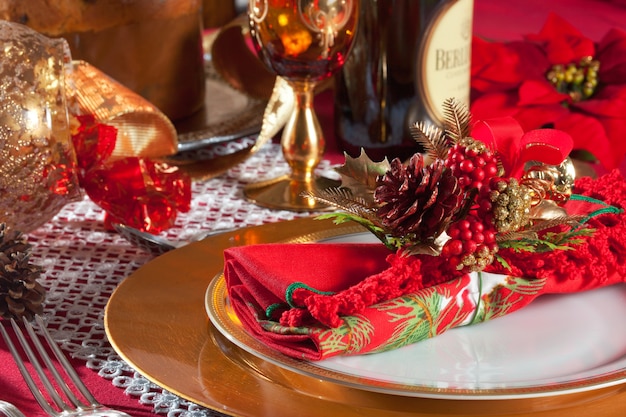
(156, 321)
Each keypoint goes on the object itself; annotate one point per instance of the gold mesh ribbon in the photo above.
(143, 130)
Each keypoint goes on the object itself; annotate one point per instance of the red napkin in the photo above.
(314, 301)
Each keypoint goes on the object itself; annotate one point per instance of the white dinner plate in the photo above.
(560, 344)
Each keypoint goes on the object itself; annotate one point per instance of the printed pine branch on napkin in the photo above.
(315, 301)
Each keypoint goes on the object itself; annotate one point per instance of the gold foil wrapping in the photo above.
(142, 129)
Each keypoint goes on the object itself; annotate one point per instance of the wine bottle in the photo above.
(409, 57)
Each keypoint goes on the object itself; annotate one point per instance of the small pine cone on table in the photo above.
(21, 295)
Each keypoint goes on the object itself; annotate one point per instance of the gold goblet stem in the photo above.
(303, 141)
(303, 146)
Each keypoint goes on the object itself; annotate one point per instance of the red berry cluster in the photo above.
(472, 163)
(472, 242)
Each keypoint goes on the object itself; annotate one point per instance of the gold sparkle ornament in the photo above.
(38, 170)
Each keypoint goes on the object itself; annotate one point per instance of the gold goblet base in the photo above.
(302, 145)
(286, 193)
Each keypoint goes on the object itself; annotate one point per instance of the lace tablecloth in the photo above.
(83, 264)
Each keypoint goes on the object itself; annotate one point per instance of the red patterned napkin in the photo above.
(320, 300)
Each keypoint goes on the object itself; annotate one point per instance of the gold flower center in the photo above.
(578, 80)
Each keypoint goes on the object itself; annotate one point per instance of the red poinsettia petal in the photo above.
(493, 105)
(612, 56)
(535, 92)
(533, 62)
(555, 26)
(563, 43)
(495, 66)
(608, 107)
(589, 134)
(615, 129)
(540, 116)
(608, 102)
(566, 50)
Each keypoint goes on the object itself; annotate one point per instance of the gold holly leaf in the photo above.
(360, 174)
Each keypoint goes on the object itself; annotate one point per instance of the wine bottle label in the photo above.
(444, 57)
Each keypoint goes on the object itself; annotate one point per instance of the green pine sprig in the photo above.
(549, 241)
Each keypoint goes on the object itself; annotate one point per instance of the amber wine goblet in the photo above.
(305, 42)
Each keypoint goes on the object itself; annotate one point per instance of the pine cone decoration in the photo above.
(417, 199)
(20, 293)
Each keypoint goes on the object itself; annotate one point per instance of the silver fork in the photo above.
(68, 405)
(9, 410)
(158, 245)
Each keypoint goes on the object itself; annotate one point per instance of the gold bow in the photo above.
(143, 130)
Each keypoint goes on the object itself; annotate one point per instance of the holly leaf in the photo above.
(360, 174)
(376, 230)
(503, 262)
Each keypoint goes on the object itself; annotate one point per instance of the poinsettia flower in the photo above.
(524, 83)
